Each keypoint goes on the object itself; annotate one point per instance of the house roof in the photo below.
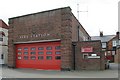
(3, 24)
(105, 38)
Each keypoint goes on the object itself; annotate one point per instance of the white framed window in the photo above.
(1, 39)
(103, 45)
(119, 42)
(114, 43)
(19, 57)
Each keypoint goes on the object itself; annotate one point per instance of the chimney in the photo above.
(101, 33)
(117, 34)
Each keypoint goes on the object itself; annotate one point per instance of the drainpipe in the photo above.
(74, 55)
(78, 33)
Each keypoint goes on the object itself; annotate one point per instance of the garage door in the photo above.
(39, 55)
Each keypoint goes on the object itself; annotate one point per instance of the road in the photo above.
(34, 73)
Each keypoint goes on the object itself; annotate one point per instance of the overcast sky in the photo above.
(102, 15)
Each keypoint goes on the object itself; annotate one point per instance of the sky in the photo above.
(94, 15)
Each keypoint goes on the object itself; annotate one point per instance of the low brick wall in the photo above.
(89, 63)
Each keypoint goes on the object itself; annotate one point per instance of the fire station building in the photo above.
(51, 40)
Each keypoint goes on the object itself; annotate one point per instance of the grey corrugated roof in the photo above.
(105, 38)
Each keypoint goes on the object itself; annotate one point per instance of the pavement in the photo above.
(36, 73)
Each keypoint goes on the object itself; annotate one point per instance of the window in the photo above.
(40, 57)
(57, 47)
(114, 43)
(57, 52)
(40, 48)
(49, 57)
(33, 57)
(19, 49)
(19, 53)
(119, 42)
(25, 57)
(1, 39)
(19, 57)
(113, 52)
(49, 48)
(33, 48)
(114, 49)
(48, 52)
(25, 48)
(33, 53)
(103, 45)
(108, 52)
(40, 52)
(58, 57)
(85, 56)
(26, 53)
(2, 56)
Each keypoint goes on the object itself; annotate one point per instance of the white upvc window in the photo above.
(104, 45)
(114, 43)
(119, 42)
(1, 38)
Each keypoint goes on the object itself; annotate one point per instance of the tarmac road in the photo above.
(34, 73)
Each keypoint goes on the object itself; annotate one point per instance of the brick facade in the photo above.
(117, 56)
(3, 42)
(112, 50)
(46, 25)
(89, 63)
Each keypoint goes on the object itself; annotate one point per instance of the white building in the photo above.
(3, 42)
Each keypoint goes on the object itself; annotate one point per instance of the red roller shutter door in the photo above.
(45, 55)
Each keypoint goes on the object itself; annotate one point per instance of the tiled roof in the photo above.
(3, 24)
(105, 38)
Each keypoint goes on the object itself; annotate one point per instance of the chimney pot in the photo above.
(101, 33)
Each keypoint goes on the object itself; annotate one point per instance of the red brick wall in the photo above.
(82, 33)
(109, 44)
(0, 23)
(89, 64)
(117, 56)
(3, 24)
(56, 23)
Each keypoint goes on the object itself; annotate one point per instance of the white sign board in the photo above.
(93, 56)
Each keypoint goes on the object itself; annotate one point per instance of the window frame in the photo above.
(47, 48)
(31, 58)
(57, 51)
(25, 52)
(40, 52)
(58, 58)
(19, 57)
(25, 58)
(32, 53)
(47, 57)
(33, 48)
(1, 39)
(40, 48)
(25, 49)
(40, 57)
(49, 52)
